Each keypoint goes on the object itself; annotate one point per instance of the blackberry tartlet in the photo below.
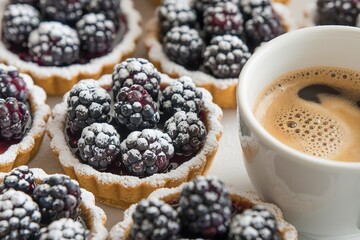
(179, 47)
(23, 117)
(140, 147)
(58, 43)
(43, 213)
(203, 209)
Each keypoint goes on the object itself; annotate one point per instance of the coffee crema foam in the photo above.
(314, 110)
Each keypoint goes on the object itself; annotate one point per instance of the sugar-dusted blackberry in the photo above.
(58, 197)
(171, 15)
(64, 228)
(19, 216)
(136, 71)
(184, 46)
(337, 12)
(96, 33)
(187, 132)
(65, 11)
(147, 152)
(87, 103)
(15, 119)
(12, 84)
(154, 220)
(181, 95)
(54, 44)
(223, 18)
(250, 8)
(21, 179)
(111, 9)
(18, 22)
(262, 28)
(255, 223)
(200, 6)
(99, 145)
(135, 108)
(225, 56)
(30, 2)
(205, 208)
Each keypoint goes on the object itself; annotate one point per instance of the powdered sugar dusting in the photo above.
(130, 183)
(95, 216)
(91, 68)
(121, 230)
(40, 113)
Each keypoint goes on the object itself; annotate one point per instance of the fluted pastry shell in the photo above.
(93, 216)
(222, 90)
(59, 80)
(20, 153)
(122, 191)
(121, 230)
(158, 2)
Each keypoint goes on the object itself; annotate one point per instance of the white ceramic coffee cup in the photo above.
(320, 197)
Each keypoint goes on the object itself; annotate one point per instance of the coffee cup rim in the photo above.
(247, 113)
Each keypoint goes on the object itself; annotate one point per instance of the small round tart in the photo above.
(58, 79)
(239, 203)
(18, 152)
(158, 2)
(223, 89)
(123, 190)
(90, 216)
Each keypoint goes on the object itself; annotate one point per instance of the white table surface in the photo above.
(228, 163)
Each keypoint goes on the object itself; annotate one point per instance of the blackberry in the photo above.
(96, 33)
(57, 196)
(184, 46)
(64, 228)
(21, 179)
(200, 6)
(12, 84)
(171, 15)
(87, 103)
(225, 56)
(262, 28)
(65, 11)
(147, 152)
(187, 132)
(253, 224)
(249, 8)
(181, 95)
(99, 145)
(337, 12)
(136, 71)
(30, 2)
(135, 108)
(154, 220)
(15, 119)
(19, 216)
(223, 18)
(19, 21)
(205, 208)
(111, 9)
(54, 44)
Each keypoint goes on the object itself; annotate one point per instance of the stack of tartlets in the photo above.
(134, 131)
(23, 118)
(202, 209)
(59, 43)
(211, 41)
(51, 206)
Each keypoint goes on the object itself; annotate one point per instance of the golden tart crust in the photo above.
(93, 216)
(20, 153)
(121, 230)
(222, 90)
(158, 2)
(59, 80)
(122, 191)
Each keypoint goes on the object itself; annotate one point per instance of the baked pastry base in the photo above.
(20, 153)
(158, 2)
(122, 191)
(59, 80)
(121, 230)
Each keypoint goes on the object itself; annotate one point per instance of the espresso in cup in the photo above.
(314, 110)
